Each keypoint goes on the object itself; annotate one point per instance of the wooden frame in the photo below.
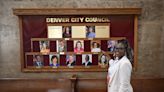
(136, 42)
(77, 11)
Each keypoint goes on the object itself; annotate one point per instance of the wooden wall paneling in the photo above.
(82, 85)
(77, 11)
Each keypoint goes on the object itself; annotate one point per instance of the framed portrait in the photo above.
(87, 60)
(95, 46)
(78, 46)
(44, 47)
(111, 45)
(67, 31)
(71, 60)
(103, 60)
(38, 61)
(54, 60)
(61, 46)
(90, 32)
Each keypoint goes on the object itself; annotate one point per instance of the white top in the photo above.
(96, 50)
(113, 65)
(120, 75)
(86, 63)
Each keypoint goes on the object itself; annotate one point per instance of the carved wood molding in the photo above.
(76, 11)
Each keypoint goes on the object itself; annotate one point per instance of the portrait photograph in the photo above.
(95, 46)
(38, 61)
(70, 60)
(87, 59)
(103, 60)
(78, 46)
(90, 32)
(61, 46)
(54, 60)
(44, 47)
(67, 31)
(111, 45)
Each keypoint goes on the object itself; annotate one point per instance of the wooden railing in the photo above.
(75, 84)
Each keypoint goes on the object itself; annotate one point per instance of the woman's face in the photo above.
(78, 45)
(113, 43)
(90, 29)
(70, 58)
(119, 50)
(103, 58)
(67, 30)
(95, 45)
(54, 60)
(61, 43)
(44, 45)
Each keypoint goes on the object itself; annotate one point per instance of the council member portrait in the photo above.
(38, 61)
(44, 47)
(95, 46)
(66, 31)
(54, 61)
(103, 60)
(61, 46)
(86, 59)
(90, 32)
(78, 46)
(111, 45)
(70, 60)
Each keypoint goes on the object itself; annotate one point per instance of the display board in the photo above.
(72, 42)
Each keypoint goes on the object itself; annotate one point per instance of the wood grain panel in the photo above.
(82, 85)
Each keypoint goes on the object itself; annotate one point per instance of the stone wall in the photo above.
(150, 35)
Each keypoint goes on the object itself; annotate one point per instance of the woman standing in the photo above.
(119, 72)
